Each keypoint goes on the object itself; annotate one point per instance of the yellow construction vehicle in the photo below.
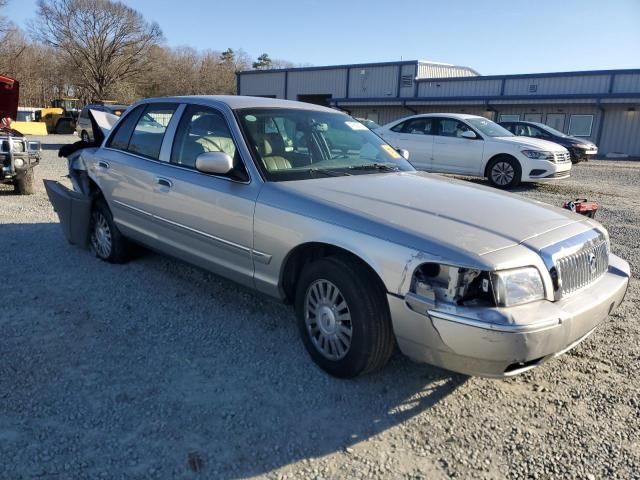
(61, 116)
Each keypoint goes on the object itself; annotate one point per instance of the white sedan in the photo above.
(473, 145)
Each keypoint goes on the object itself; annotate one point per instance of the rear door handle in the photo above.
(102, 164)
(165, 182)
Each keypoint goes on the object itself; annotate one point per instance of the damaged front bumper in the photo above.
(73, 209)
(501, 342)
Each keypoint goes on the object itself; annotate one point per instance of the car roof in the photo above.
(458, 116)
(236, 102)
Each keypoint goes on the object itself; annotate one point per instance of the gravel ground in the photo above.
(155, 369)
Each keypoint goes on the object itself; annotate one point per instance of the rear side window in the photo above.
(415, 126)
(147, 136)
(120, 139)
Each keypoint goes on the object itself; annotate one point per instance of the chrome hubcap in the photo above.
(328, 319)
(101, 235)
(502, 173)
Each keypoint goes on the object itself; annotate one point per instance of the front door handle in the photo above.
(103, 164)
(165, 182)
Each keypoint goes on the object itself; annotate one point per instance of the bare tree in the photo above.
(106, 41)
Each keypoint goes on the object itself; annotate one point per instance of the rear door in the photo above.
(124, 169)
(454, 153)
(204, 218)
(414, 135)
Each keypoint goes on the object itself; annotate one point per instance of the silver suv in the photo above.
(371, 253)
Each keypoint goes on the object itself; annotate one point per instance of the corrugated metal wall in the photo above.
(621, 131)
(262, 84)
(557, 85)
(626, 82)
(320, 82)
(373, 82)
(408, 71)
(459, 88)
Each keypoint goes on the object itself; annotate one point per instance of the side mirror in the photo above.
(214, 162)
(404, 153)
(469, 134)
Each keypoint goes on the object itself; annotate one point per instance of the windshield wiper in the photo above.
(326, 172)
(376, 166)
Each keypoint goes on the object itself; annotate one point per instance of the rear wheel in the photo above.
(105, 239)
(504, 172)
(64, 126)
(25, 183)
(343, 317)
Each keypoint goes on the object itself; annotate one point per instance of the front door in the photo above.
(454, 153)
(206, 219)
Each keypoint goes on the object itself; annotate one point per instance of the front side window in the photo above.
(450, 127)
(294, 144)
(202, 130)
(580, 125)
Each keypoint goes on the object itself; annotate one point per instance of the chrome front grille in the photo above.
(583, 267)
(561, 157)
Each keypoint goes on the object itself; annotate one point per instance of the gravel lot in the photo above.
(155, 369)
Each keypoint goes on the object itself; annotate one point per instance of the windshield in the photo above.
(547, 128)
(488, 128)
(296, 144)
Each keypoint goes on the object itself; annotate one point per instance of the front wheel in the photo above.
(343, 317)
(104, 237)
(504, 172)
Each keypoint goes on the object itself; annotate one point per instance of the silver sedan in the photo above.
(307, 205)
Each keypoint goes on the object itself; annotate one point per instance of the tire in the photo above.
(25, 184)
(84, 136)
(504, 172)
(105, 239)
(354, 335)
(64, 127)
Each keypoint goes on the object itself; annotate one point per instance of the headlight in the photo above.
(517, 286)
(538, 154)
(18, 162)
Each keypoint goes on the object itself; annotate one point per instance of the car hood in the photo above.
(529, 142)
(578, 141)
(421, 210)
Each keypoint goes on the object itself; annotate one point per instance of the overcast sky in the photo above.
(492, 36)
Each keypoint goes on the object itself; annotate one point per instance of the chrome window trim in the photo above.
(257, 255)
(240, 145)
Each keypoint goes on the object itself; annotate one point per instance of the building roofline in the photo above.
(575, 73)
(488, 98)
(332, 67)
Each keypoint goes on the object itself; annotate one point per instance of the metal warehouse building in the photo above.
(601, 105)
